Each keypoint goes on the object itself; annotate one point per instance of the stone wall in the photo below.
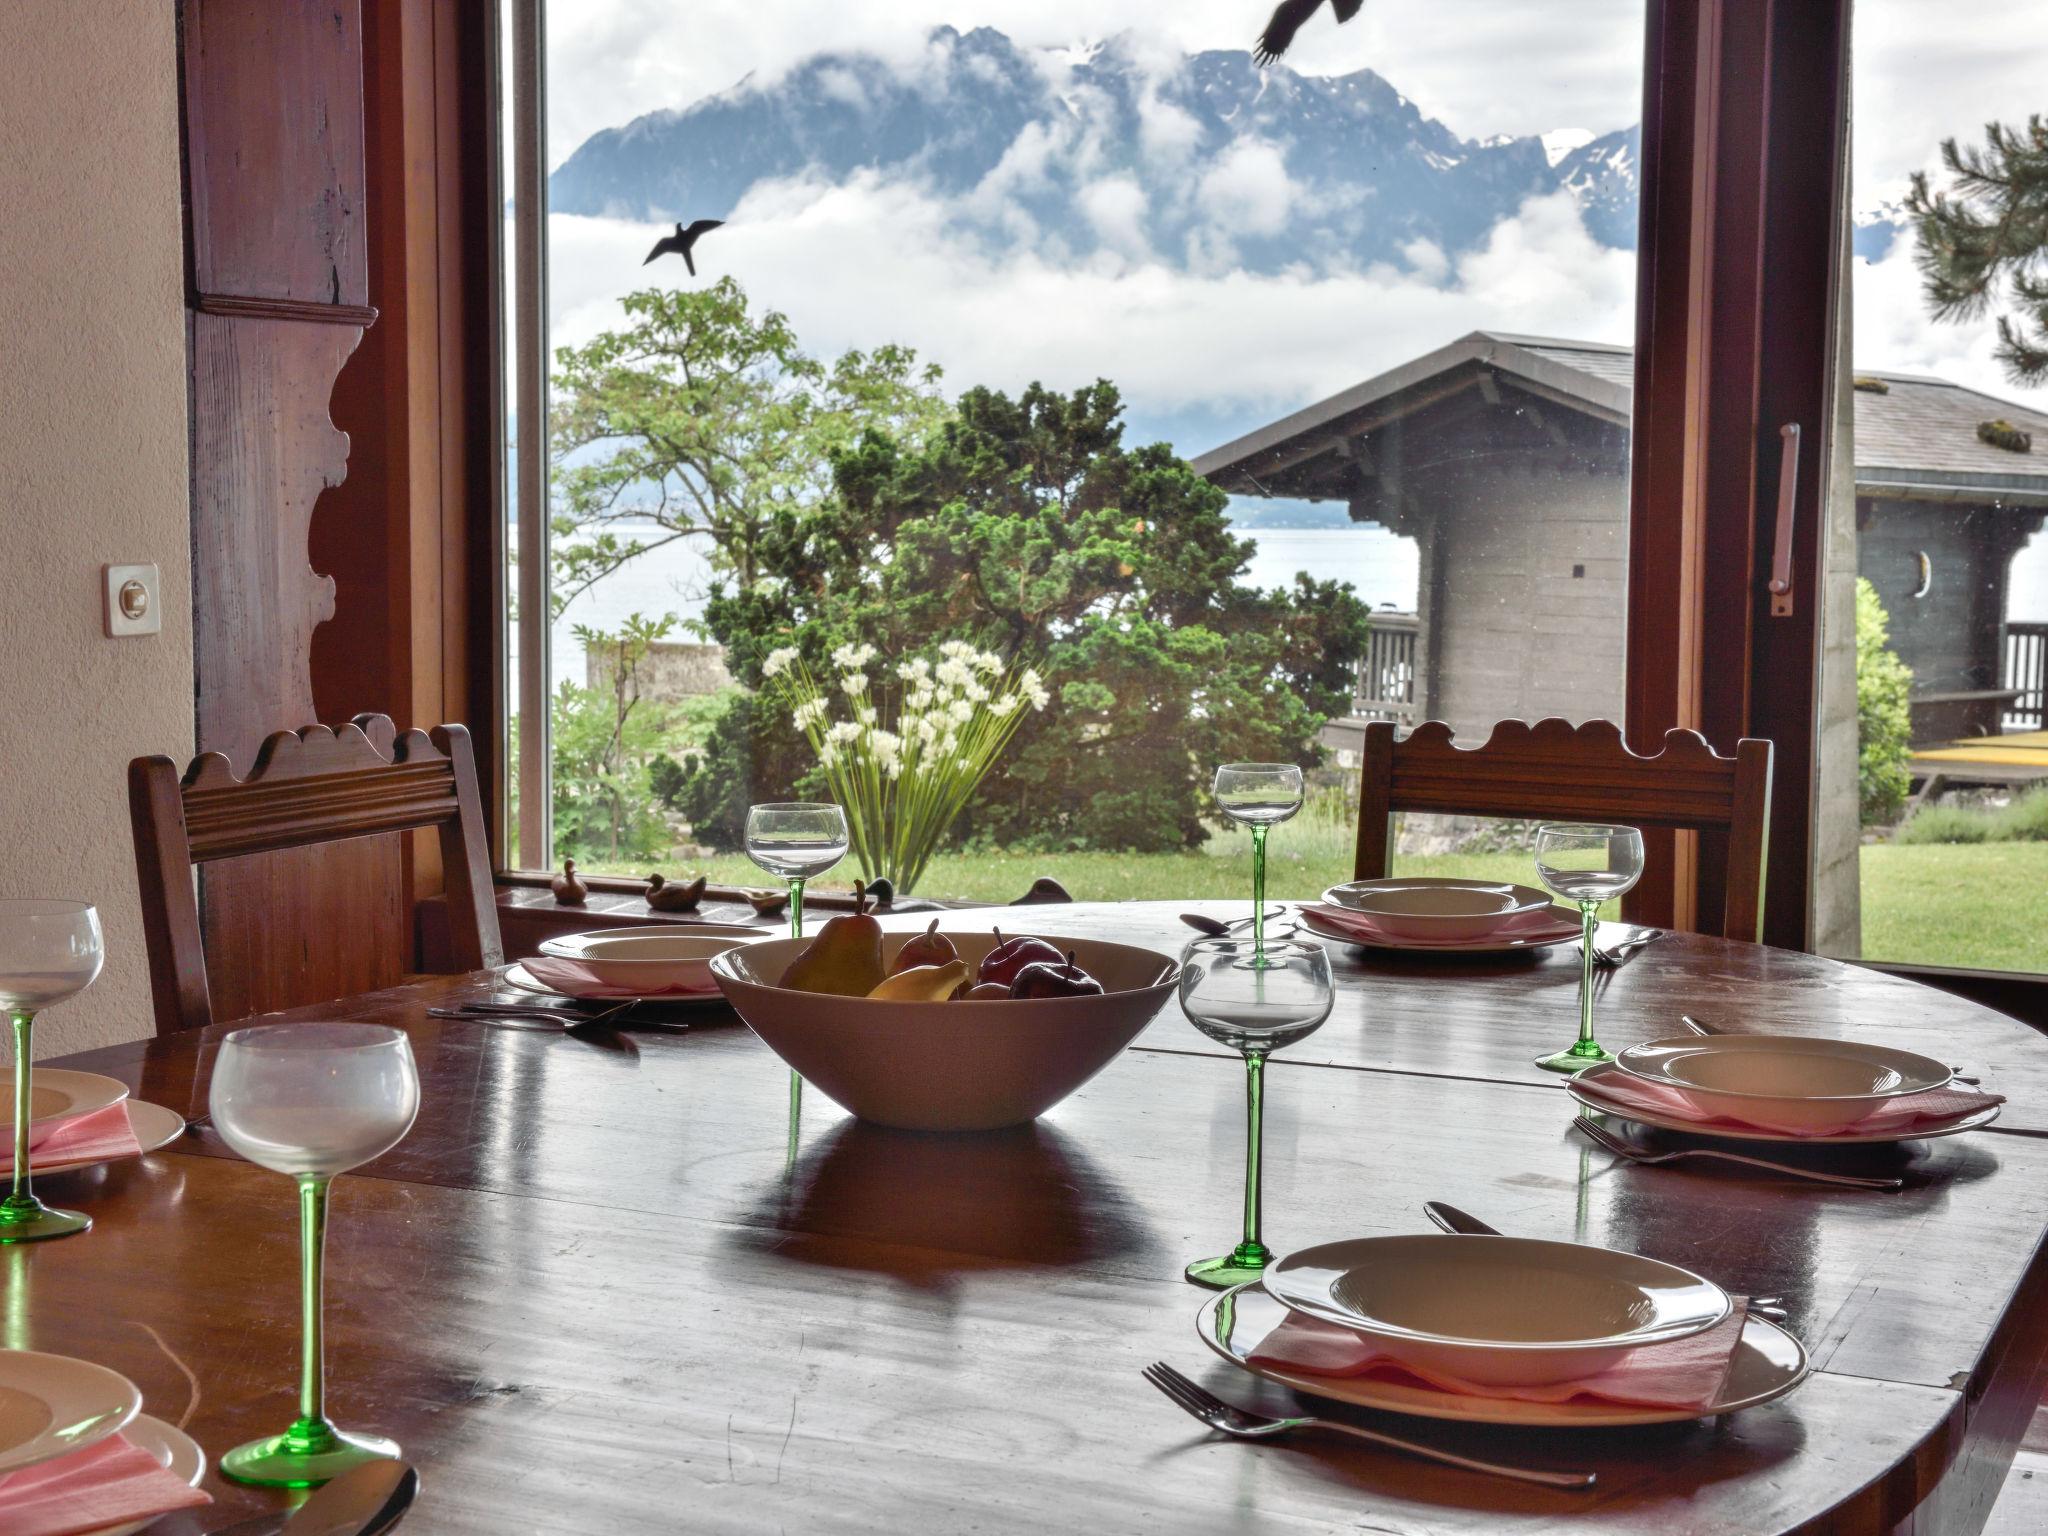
(673, 671)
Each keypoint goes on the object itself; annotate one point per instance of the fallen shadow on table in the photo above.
(1023, 1198)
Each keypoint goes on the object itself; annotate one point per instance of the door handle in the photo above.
(1788, 493)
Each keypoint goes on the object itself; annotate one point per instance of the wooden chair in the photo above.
(317, 785)
(1556, 771)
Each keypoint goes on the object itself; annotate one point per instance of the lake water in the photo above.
(1380, 566)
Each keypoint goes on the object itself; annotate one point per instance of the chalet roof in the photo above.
(1918, 438)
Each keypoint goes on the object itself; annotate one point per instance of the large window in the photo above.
(1947, 390)
(1240, 406)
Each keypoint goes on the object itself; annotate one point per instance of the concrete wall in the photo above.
(1951, 637)
(1524, 596)
(92, 463)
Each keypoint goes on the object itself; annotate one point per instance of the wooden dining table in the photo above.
(606, 1286)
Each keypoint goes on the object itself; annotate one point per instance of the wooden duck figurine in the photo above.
(568, 889)
(667, 896)
(766, 903)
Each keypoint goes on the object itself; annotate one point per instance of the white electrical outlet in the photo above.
(133, 600)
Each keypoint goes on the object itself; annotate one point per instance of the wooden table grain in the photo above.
(596, 1291)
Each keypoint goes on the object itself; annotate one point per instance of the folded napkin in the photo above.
(103, 1134)
(578, 980)
(1543, 923)
(109, 1483)
(1685, 1373)
(1898, 1116)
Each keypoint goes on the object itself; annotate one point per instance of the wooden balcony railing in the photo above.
(1386, 673)
(2026, 668)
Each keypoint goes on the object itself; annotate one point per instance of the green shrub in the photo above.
(2026, 819)
(1943, 823)
(1883, 717)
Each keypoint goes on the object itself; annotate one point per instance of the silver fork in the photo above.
(1613, 1143)
(1200, 1403)
(1616, 955)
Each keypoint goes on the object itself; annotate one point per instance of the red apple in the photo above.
(928, 948)
(987, 992)
(1062, 978)
(1011, 956)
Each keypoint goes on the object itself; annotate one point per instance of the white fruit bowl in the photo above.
(950, 1066)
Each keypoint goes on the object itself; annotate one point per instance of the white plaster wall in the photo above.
(92, 463)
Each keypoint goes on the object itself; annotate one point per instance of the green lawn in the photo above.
(1982, 904)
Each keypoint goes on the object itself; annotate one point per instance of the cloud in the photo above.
(1115, 208)
(1894, 331)
(1247, 189)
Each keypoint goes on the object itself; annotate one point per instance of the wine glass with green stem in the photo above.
(1586, 863)
(1256, 1011)
(312, 1101)
(49, 950)
(798, 840)
(1261, 796)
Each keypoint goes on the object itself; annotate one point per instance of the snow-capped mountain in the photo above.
(1109, 149)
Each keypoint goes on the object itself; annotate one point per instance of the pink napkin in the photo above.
(576, 979)
(1906, 1113)
(109, 1483)
(1543, 923)
(1685, 1373)
(105, 1133)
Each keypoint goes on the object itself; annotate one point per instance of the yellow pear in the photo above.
(846, 956)
(922, 983)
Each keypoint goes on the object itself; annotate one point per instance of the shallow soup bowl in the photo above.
(1427, 907)
(1497, 1311)
(949, 1066)
(1784, 1080)
(651, 962)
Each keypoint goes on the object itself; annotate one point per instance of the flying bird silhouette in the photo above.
(1288, 16)
(682, 241)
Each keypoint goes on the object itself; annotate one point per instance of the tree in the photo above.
(1027, 527)
(605, 739)
(1992, 226)
(700, 418)
(1884, 725)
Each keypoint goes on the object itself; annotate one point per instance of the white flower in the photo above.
(844, 730)
(1033, 688)
(914, 671)
(854, 684)
(778, 661)
(865, 714)
(1006, 706)
(809, 713)
(977, 692)
(828, 755)
(961, 711)
(919, 699)
(842, 658)
(953, 674)
(929, 733)
(988, 661)
(953, 650)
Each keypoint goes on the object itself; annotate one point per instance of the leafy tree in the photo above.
(605, 739)
(1026, 526)
(1884, 724)
(702, 418)
(1992, 226)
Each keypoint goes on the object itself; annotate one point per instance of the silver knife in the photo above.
(364, 1501)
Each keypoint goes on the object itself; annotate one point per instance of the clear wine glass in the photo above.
(1261, 796)
(1587, 864)
(312, 1101)
(49, 950)
(1256, 1011)
(798, 840)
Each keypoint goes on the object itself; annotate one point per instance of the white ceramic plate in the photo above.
(519, 979)
(154, 1126)
(657, 962)
(56, 1093)
(1435, 908)
(1566, 931)
(570, 946)
(1501, 1311)
(1970, 1122)
(175, 1451)
(52, 1405)
(1768, 1363)
(1789, 1079)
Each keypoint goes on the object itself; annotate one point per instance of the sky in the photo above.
(1204, 352)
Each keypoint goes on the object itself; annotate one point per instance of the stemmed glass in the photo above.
(312, 1101)
(49, 950)
(798, 840)
(1261, 796)
(1587, 864)
(1257, 1011)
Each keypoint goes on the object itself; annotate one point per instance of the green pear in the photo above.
(846, 956)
